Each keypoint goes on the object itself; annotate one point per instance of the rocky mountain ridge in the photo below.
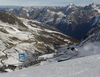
(94, 34)
(72, 20)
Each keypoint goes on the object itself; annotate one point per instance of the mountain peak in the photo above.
(71, 4)
(93, 5)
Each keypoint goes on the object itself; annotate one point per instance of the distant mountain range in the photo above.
(72, 20)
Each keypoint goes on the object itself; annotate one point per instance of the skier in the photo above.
(71, 52)
(75, 50)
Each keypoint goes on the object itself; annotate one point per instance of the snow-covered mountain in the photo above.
(35, 38)
(94, 34)
(72, 20)
(39, 40)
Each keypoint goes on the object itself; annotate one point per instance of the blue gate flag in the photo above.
(21, 56)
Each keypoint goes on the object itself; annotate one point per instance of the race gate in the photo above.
(22, 59)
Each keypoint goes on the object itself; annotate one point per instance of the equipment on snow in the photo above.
(64, 59)
(22, 58)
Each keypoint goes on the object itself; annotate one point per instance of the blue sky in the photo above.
(47, 2)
